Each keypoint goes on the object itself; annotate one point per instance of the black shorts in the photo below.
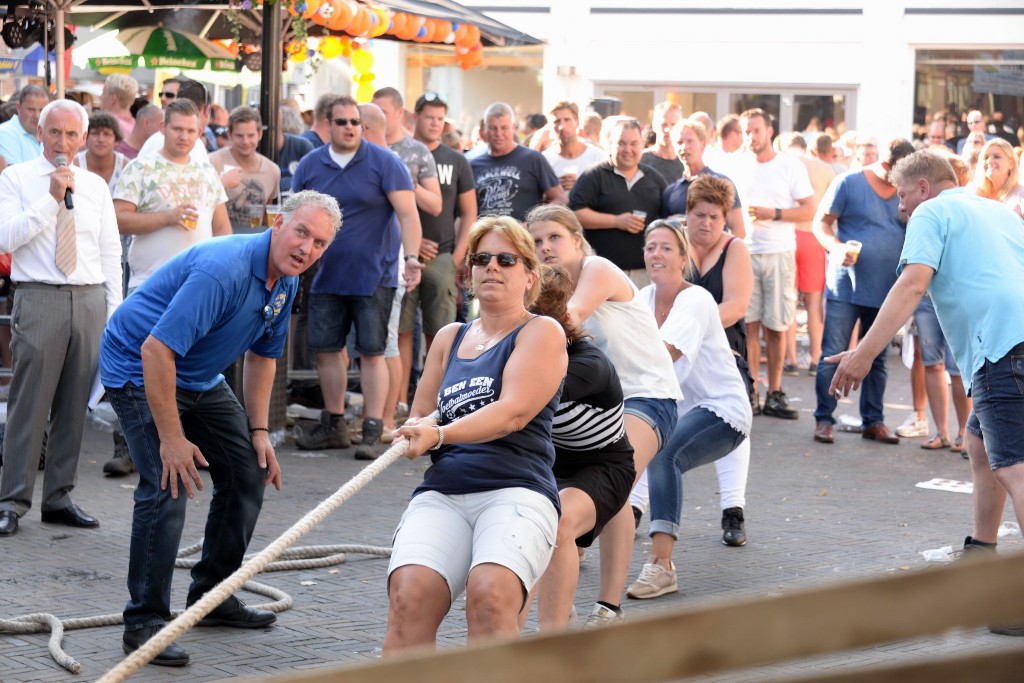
(607, 483)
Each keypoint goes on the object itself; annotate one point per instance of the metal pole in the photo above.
(59, 48)
(270, 95)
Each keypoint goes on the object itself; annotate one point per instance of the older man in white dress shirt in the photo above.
(59, 223)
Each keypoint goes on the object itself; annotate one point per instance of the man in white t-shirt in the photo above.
(195, 92)
(169, 201)
(777, 196)
(571, 156)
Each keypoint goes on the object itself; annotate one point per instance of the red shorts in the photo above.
(810, 263)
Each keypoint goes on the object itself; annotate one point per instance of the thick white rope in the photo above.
(172, 631)
(308, 557)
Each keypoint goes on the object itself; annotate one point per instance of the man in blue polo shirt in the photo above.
(160, 362)
(359, 274)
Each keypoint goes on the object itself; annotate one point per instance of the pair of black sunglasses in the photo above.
(483, 259)
(347, 122)
(268, 323)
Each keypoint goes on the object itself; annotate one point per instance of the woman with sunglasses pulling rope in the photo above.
(608, 305)
(484, 519)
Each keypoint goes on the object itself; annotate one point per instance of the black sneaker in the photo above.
(332, 432)
(733, 533)
(974, 550)
(637, 516)
(777, 405)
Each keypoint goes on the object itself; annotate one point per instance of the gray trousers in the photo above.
(55, 342)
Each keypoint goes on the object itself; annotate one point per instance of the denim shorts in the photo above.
(331, 316)
(998, 416)
(659, 413)
(934, 347)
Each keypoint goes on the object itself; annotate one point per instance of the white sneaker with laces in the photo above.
(654, 580)
(602, 616)
(912, 427)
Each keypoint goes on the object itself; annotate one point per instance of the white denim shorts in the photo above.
(514, 528)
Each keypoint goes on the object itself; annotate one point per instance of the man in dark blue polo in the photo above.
(359, 274)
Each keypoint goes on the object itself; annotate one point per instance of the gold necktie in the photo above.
(67, 247)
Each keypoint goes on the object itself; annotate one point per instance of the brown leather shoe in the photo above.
(880, 433)
(823, 432)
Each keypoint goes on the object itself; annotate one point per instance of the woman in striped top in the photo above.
(593, 458)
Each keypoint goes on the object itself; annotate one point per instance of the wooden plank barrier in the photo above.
(700, 640)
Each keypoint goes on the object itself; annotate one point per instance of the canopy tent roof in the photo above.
(208, 17)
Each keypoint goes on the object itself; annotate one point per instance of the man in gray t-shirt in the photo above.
(414, 154)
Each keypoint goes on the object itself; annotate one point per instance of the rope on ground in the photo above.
(172, 631)
(307, 557)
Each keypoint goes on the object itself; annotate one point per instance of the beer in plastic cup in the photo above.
(273, 211)
(853, 248)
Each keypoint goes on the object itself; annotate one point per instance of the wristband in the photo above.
(778, 214)
(440, 438)
(411, 257)
(258, 429)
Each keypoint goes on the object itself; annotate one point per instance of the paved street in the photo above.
(815, 514)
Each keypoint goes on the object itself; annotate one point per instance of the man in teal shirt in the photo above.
(18, 141)
(968, 253)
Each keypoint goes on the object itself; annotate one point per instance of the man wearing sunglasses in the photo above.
(169, 91)
(160, 361)
(356, 283)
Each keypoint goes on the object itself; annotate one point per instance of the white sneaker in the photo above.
(912, 427)
(602, 616)
(654, 580)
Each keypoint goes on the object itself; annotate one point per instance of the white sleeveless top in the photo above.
(627, 333)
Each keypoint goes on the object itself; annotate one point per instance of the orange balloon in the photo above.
(341, 16)
(397, 23)
(311, 9)
(360, 23)
(427, 33)
(413, 24)
(460, 33)
(443, 29)
(470, 37)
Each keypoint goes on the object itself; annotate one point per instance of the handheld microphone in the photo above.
(68, 201)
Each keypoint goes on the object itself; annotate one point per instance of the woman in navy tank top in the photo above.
(484, 519)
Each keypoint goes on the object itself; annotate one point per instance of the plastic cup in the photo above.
(273, 211)
(853, 248)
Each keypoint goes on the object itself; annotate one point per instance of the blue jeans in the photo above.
(217, 424)
(998, 393)
(840, 318)
(700, 437)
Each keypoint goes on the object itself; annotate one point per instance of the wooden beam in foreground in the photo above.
(702, 640)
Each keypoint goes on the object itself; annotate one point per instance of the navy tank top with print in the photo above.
(520, 459)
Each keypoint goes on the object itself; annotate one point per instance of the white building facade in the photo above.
(877, 66)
